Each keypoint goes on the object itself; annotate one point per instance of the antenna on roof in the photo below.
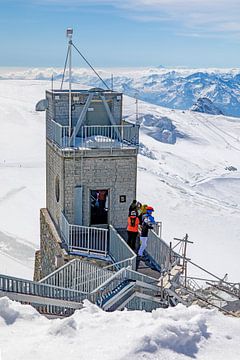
(69, 36)
(136, 103)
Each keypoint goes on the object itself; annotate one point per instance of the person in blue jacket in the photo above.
(147, 223)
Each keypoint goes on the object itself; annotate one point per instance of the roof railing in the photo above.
(93, 136)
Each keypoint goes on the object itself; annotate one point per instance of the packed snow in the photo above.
(90, 334)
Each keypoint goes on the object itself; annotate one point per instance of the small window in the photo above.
(57, 188)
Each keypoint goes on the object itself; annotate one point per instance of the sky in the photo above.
(121, 33)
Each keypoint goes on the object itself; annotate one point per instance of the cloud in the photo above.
(196, 16)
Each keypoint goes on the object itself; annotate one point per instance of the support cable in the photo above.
(65, 66)
(91, 66)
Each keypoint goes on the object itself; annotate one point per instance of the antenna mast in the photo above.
(136, 102)
(69, 36)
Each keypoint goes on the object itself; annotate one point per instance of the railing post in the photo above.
(88, 240)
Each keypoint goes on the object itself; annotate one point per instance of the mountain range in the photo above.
(172, 88)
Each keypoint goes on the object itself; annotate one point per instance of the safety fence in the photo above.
(84, 239)
(160, 251)
(119, 250)
(79, 275)
(93, 136)
(28, 287)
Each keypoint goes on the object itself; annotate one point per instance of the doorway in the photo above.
(99, 200)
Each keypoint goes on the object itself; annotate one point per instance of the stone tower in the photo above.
(91, 170)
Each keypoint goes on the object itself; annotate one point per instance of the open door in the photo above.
(99, 206)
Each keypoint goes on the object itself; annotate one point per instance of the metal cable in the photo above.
(65, 65)
(91, 66)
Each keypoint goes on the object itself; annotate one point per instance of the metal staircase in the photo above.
(47, 299)
(112, 287)
(118, 286)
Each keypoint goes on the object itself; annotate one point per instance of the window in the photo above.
(57, 188)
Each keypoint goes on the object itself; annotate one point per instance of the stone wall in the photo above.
(54, 175)
(37, 266)
(58, 105)
(113, 170)
(100, 169)
(50, 245)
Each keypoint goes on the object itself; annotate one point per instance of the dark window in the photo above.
(57, 188)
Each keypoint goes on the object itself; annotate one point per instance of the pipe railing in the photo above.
(58, 134)
(79, 275)
(157, 228)
(28, 287)
(160, 251)
(93, 136)
(83, 238)
(119, 250)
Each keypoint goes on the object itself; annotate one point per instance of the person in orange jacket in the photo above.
(132, 229)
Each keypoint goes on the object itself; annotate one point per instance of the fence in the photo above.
(93, 136)
(28, 287)
(79, 275)
(106, 287)
(120, 252)
(58, 134)
(84, 239)
(159, 251)
(157, 228)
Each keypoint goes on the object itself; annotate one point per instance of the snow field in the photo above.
(176, 333)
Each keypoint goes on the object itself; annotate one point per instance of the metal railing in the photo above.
(84, 239)
(137, 303)
(93, 136)
(105, 290)
(106, 287)
(28, 287)
(157, 228)
(160, 251)
(119, 250)
(57, 133)
(79, 275)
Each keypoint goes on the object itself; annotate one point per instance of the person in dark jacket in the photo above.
(132, 229)
(147, 223)
(133, 207)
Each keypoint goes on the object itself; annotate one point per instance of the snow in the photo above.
(191, 189)
(186, 182)
(170, 334)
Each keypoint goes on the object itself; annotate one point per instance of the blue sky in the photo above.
(189, 33)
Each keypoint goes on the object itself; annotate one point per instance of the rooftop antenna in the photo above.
(69, 36)
(136, 102)
(52, 85)
(112, 82)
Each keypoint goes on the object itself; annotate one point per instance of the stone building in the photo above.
(91, 170)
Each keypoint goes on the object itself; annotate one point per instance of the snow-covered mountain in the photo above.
(184, 170)
(192, 179)
(173, 88)
(206, 106)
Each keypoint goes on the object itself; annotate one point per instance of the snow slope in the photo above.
(92, 334)
(187, 182)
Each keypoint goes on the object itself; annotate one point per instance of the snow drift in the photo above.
(176, 333)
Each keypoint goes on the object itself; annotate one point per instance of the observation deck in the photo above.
(87, 119)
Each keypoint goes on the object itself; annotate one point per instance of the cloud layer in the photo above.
(196, 17)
